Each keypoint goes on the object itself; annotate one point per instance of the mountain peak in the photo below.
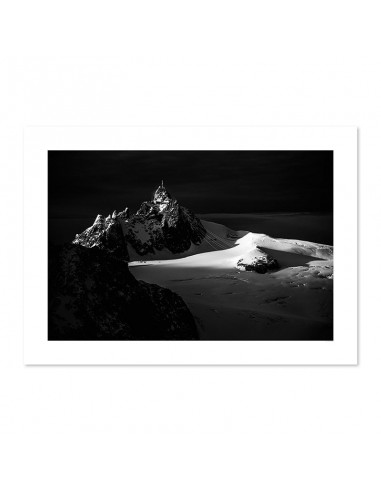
(161, 195)
(161, 223)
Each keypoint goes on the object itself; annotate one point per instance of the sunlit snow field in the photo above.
(294, 302)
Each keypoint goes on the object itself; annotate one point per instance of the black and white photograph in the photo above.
(190, 245)
(190, 218)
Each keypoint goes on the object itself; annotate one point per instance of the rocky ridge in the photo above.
(93, 296)
(161, 223)
(105, 234)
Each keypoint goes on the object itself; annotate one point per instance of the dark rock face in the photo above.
(106, 235)
(163, 223)
(172, 311)
(93, 296)
(261, 264)
(158, 224)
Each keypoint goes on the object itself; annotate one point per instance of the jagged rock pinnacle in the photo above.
(124, 215)
(159, 223)
(99, 219)
(161, 195)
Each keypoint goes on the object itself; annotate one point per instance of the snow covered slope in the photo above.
(222, 248)
(293, 301)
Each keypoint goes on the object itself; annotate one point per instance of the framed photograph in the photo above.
(190, 245)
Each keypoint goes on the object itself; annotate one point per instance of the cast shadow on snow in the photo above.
(287, 260)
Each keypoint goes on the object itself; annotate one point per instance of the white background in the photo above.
(37, 142)
(200, 62)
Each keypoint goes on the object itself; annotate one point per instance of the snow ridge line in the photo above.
(214, 240)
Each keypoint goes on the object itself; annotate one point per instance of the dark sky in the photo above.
(85, 183)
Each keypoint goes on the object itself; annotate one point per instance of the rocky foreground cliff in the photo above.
(93, 296)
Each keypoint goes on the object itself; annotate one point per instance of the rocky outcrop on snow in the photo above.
(159, 224)
(93, 296)
(105, 234)
(257, 261)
